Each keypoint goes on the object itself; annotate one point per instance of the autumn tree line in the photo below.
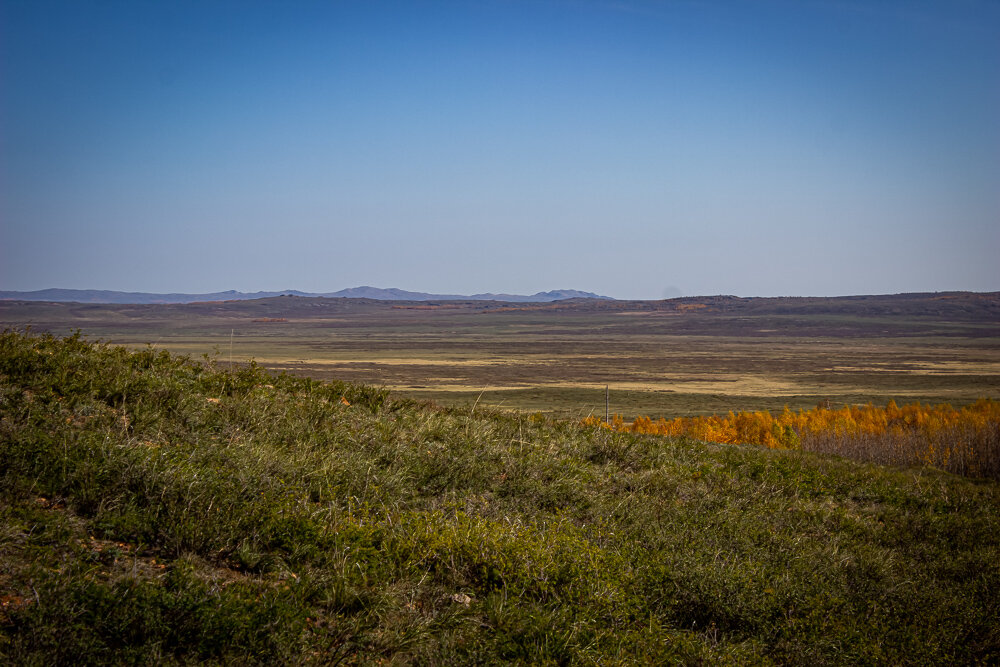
(962, 440)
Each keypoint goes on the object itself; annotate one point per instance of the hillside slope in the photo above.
(157, 510)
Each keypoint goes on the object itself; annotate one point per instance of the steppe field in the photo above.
(669, 358)
(157, 509)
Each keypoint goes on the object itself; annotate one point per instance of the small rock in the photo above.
(462, 599)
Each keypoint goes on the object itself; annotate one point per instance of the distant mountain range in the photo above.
(391, 294)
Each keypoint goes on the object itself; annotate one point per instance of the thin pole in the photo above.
(231, 332)
(607, 404)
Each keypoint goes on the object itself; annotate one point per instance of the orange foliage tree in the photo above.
(962, 440)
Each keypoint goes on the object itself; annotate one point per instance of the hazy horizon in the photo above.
(323, 293)
(638, 149)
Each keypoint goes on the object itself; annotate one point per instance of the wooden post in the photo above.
(607, 404)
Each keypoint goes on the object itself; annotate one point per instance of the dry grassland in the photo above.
(695, 359)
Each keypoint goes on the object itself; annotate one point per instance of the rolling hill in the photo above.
(391, 294)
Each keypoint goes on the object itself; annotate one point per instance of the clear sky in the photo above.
(633, 148)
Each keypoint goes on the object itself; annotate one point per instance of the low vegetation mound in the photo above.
(158, 510)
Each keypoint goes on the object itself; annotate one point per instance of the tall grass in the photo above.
(158, 510)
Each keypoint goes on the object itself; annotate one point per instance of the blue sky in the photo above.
(637, 149)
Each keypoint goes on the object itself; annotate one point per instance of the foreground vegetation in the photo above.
(153, 509)
(965, 441)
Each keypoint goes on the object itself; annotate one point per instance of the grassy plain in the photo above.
(662, 359)
(157, 511)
